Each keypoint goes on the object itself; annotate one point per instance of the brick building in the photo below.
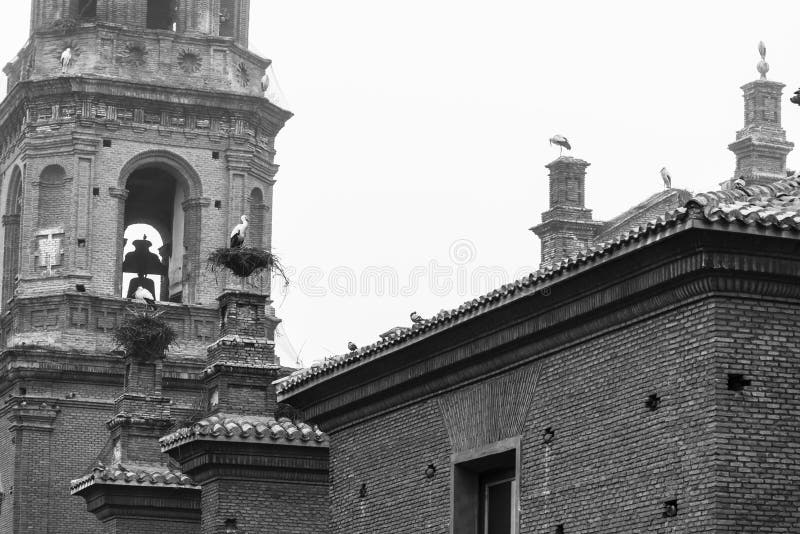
(122, 113)
(645, 379)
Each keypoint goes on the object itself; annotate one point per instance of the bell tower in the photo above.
(120, 115)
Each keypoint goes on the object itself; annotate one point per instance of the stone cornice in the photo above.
(688, 265)
(207, 460)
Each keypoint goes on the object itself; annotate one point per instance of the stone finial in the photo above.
(763, 66)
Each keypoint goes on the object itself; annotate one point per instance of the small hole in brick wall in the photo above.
(218, 204)
(230, 526)
(737, 382)
(549, 434)
(23, 391)
(671, 508)
(80, 288)
(96, 191)
(653, 402)
(215, 154)
(106, 143)
(81, 243)
(362, 492)
(559, 529)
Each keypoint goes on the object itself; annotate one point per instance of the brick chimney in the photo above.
(567, 227)
(761, 146)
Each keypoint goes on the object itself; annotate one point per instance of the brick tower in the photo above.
(761, 146)
(118, 113)
(567, 227)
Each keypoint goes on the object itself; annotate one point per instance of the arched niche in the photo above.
(11, 233)
(52, 192)
(257, 215)
(164, 191)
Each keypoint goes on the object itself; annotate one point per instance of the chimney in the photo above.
(567, 227)
(761, 146)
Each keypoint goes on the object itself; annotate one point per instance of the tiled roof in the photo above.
(149, 475)
(776, 205)
(247, 428)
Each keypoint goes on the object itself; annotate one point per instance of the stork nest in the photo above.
(246, 261)
(145, 335)
(65, 24)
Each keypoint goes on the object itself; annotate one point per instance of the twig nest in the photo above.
(145, 335)
(246, 261)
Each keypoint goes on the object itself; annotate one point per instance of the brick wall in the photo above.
(757, 431)
(613, 462)
(262, 507)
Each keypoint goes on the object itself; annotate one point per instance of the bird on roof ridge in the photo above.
(416, 318)
(352, 347)
(666, 177)
(741, 185)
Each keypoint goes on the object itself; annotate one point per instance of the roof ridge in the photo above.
(728, 205)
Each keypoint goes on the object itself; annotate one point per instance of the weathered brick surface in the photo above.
(257, 507)
(729, 459)
(757, 431)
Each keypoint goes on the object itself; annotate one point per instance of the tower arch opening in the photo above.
(161, 15)
(11, 234)
(155, 199)
(256, 210)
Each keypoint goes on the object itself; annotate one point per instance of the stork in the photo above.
(239, 233)
(143, 295)
(562, 142)
(416, 318)
(66, 59)
(665, 175)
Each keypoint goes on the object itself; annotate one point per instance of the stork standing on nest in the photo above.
(239, 233)
(562, 142)
(143, 295)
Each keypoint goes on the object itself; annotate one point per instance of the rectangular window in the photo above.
(485, 494)
(159, 14)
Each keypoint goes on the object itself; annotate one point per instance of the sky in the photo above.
(414, 165)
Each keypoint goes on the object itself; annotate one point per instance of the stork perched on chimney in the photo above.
(562, 143)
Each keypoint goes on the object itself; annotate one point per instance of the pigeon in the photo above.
(561, 141)
(666, 177)
(352, 346)
(239, 232)
(740, 184)
(265, 83)
(416, 318)
(66, 59)
(144, 295)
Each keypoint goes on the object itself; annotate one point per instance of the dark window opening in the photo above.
(485, 495)
(106, 143)
(227, 18)
(160, 14)
(96, 191)
(737, 382)
(87, 9)
(214, 154)
(218, 204)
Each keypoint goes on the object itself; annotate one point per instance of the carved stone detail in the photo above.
(189, 61)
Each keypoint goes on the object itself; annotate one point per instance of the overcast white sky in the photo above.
(420, 133)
